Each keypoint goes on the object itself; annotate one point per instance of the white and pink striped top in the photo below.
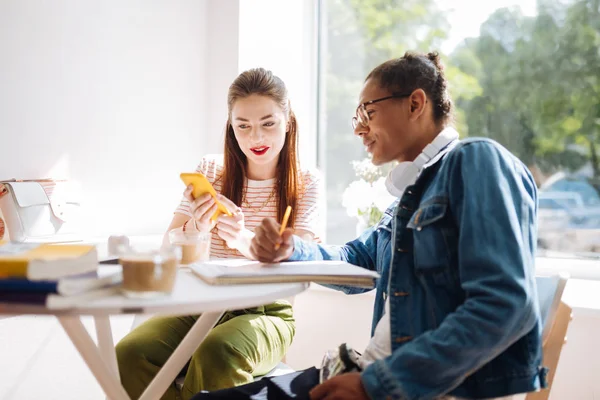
(261, 202)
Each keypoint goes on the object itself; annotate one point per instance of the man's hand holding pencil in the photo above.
(272, 241)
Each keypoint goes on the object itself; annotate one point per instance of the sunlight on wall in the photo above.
(112, 98)
(280, 35)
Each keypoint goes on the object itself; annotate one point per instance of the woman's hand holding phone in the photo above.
(210, 210)
(229, 228)
(202, 209)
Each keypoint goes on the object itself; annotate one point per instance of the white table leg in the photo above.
(89, 352)
(180, 356)
(105, 343)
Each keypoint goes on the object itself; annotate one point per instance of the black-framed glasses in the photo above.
(362, 116)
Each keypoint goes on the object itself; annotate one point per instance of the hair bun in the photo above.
(417, 71)
(434, 57)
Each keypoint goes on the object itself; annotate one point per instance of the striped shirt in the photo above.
(261, 202)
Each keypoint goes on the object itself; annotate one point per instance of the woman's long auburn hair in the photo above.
(262, 82)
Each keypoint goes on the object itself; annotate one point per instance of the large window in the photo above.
(526, 76)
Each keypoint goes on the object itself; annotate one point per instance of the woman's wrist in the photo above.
(190, 226)
(242, 244)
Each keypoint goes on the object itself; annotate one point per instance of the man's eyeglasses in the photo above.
(362, 116)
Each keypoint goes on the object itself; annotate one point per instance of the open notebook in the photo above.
(241, 271)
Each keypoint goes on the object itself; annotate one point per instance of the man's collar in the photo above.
(451, 136)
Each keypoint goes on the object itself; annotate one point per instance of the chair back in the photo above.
(556, 316)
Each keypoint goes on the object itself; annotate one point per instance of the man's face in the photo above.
(388, 136)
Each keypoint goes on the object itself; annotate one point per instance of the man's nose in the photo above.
(360, 129)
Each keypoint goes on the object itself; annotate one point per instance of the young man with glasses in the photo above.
(456, 313)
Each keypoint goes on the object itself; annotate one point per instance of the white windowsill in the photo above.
(582, 292)
(578, 268)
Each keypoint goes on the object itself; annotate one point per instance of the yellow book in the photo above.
(46, 261)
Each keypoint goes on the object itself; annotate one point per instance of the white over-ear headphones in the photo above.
(406, 173)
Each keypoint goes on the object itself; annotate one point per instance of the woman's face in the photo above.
(260, 126)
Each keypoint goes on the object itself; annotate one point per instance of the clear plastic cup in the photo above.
(194, 245)
(149, 274)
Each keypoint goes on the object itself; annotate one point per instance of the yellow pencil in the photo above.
(286, 217)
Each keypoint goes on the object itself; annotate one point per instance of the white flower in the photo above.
(364, 169)
(382, 199)
(367, 198)
(358, 197)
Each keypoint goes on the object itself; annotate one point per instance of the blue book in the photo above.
(56, 301)
(23, 298)
(66, 286)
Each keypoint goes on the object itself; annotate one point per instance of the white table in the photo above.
(190, 296)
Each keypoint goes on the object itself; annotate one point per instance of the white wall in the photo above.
(222, 65)
(326, 318)
(118, 95)
(281, 36)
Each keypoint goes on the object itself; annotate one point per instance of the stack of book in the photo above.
(53, 275)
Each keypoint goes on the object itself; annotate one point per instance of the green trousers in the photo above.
(243, 344)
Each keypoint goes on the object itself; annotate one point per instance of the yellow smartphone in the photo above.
(202, 185)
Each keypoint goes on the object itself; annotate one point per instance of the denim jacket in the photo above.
(456, 256)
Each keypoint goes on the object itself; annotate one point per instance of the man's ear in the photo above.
(418, 104)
